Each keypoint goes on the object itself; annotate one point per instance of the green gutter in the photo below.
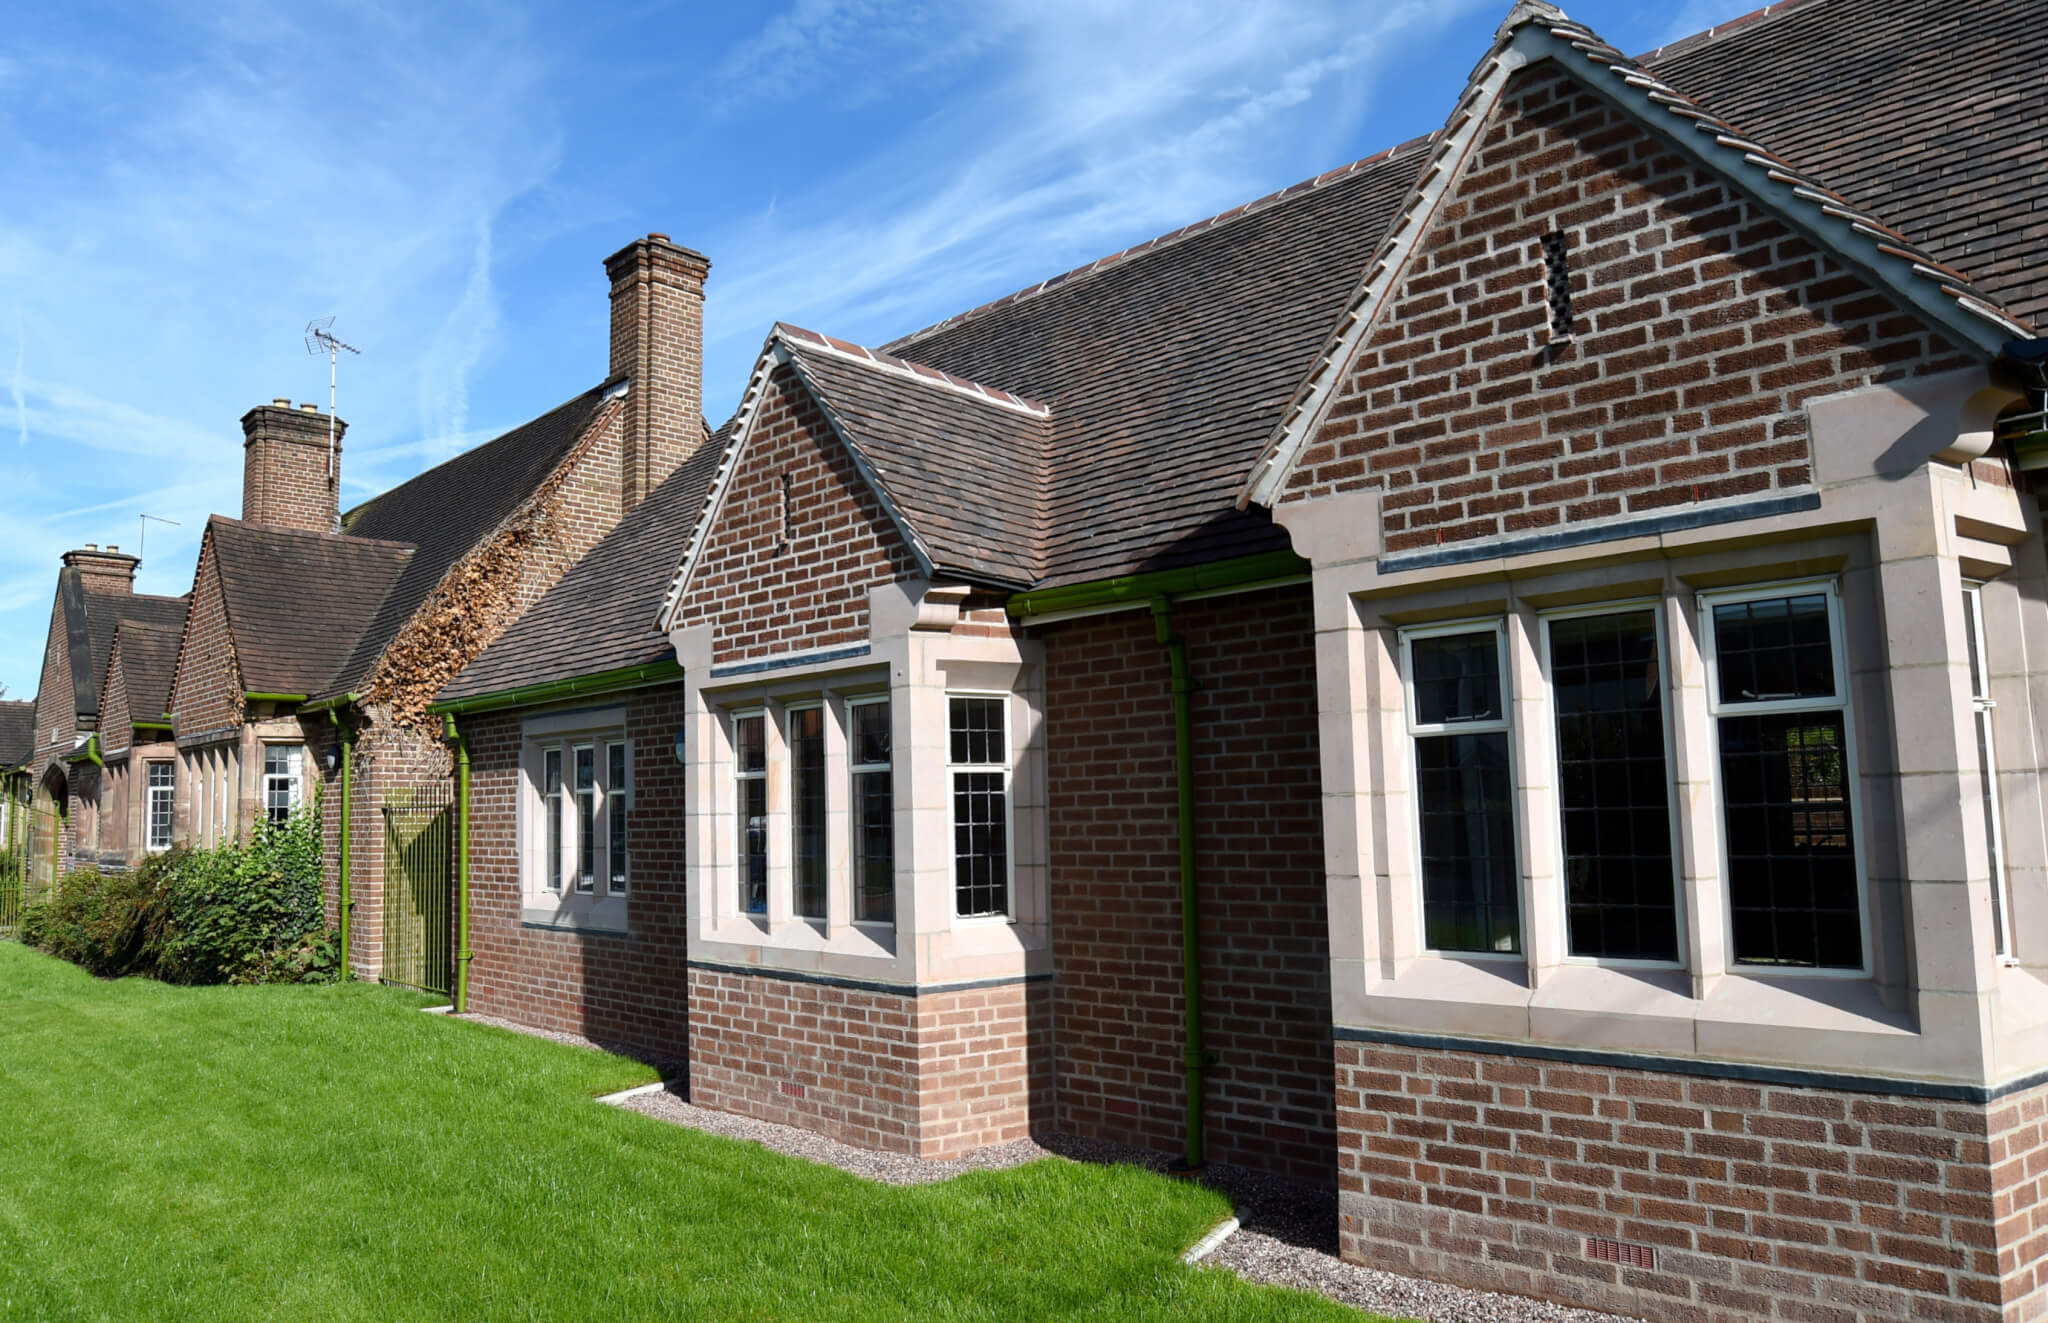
(631, 677)
(342, 904)
(275, 698)
(330, 704)
(152, 725)
(89, 754)
(1194, 1060)
(1136, 590)
(463, 955)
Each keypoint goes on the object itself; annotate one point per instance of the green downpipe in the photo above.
(344, 905)
(462, 951)
(1194, 1057)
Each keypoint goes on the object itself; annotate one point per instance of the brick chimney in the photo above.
(658, 341)
(100, 571)
(286, 481)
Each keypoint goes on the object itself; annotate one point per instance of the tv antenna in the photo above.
(142, 543)
(320, 339)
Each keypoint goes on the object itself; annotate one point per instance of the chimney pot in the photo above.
(309, 408)
(112, 548)
(657, 234)
(282, 403)
(92, 546)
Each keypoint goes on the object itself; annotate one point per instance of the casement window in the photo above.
(1981, 706)
(1778, 691)
(1607, 686)
(874, 811)
(161, 805)
(978, 758)
(577, 800)
(750, 770)
(283, 780)
(1464, 788)
(807, 811)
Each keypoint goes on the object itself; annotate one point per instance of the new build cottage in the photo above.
(1499, 678)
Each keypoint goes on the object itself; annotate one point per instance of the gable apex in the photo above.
(1534, 32)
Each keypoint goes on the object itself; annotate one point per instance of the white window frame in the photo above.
(741, 778)
(1982, 705)
(150, 843)
(1618, 607)
(1503, 723)
(618, 802)
(1851, 772)
(294, 778)
(855, 770)
(1008, 914)
(552, 889)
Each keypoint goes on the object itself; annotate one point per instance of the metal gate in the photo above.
(28, 856)
(419, 910)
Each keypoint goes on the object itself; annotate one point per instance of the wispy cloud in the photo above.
(20, 377)
(458, 347)
(1084, 125)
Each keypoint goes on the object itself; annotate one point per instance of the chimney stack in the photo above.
(285, 478)
(658, 342)
(102, 571)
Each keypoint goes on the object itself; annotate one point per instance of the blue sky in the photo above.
(186, 185)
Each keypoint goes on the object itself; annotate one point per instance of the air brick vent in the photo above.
(790, 1090)
(1620, 1251)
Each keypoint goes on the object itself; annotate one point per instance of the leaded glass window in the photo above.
(615, 812)
(1981, 706)
(874, 812)
(979, 752)
(162, 804)
(1614, 786)
(807, 810)
(1464, 784)
(750, 762)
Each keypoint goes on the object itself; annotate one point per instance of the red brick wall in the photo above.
(55, 703)
(1703, 324)
(117, 720)
(937, 1075)
(766, 595)
(1719, 1199)
(285, 480)
(1118, 1025)
(627, 991)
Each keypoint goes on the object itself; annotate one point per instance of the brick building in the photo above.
(1527, 637)
(17, 748)
(317, 636)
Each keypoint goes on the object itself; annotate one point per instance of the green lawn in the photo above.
(331, 1153)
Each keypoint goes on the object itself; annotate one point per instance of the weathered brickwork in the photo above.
(56, 710)
(288, 479)
(1118, 1025)
(627, 990)
(1702, 326)
(801, 538)
(388, 758)
(936, 1075)
(1669, 1197)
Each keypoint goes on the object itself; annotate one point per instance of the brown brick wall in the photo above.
(56, 708)
(1716, 1199)
(388, 757)
(629, 990)
(1118, 1025)
(657, 338)
(285, 482)
(765, 593)
(206, 694)
(1703, 325)
(936, 1075)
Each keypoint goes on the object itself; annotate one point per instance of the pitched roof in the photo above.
(1168, 366)
(91, 617)
(601, 616)
(297, 602)
(1535, 31)
(149, 660)
(446, 511)
(17, 733)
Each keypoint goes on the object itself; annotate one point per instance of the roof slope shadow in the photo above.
(91, 617)
(149, 660)
(600, 617)
(17, 733)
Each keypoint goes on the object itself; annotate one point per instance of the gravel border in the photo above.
(1287, 1234)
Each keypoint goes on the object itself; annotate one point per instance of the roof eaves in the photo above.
(1535, 31)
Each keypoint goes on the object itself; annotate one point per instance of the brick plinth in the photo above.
(936, 1075)
(1673, 1197)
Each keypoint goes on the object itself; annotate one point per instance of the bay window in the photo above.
(978, 749)
(575, 806)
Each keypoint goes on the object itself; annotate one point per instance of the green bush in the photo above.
(235, 914)
(94, 919)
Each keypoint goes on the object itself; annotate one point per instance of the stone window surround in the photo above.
(600, 909)
(149, 800)
(294, 779)
(1903, 544)
(914, 659)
